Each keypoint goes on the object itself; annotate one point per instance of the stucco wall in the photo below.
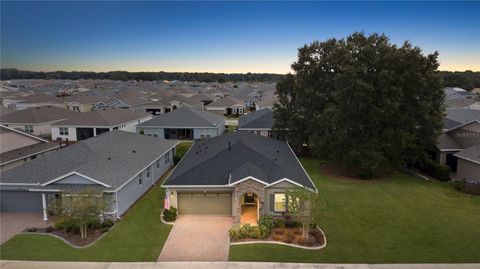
(12, 140)
(72, 133)
(281, 187)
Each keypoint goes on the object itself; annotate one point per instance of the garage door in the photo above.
(205, 203)
(20, 201)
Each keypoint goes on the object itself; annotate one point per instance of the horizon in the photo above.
(221, 37)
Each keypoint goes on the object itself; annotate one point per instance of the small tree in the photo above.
(79, 209)
(301, 202)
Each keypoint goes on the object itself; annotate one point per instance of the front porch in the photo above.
(249, 215)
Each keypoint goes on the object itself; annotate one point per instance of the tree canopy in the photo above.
(362, 101)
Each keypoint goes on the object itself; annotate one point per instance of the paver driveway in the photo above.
(198, 238)
(14, 223)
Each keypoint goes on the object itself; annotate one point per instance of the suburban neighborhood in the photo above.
(360, 150)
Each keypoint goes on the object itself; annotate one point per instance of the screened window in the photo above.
(158, 163)
(148, 172)
(29, 129)
(140, 179)
(280, 202)
(63, 131)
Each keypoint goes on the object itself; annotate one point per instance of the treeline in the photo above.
(7, 74)
(466, 80)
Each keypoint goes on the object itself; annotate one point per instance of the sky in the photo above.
(229, 37)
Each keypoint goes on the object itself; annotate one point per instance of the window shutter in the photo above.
(272, 202)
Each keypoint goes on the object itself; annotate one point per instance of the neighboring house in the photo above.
(84, 103)
(236, 174)
(463, 103)
(184, 123)
(35, 100)
(199, 101)
(131, 102)
(164, 103)
(18, 147)
(457, 93)
(36, 120)
(258, 122)
(458, 116)
(468, 164)
(453, 142)
(120, 165)
(81, 126)
(227, 106)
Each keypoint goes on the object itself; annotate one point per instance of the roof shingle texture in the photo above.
(213, 162)
(112, 158)
(262, 118)
(37, 115)
(185, 117)
(107, 117)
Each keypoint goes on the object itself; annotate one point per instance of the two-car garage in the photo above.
(20, 201)
(209, 203)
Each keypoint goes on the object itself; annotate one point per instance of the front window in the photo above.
(63, 131)
(140, 179)
(29, 129)
(280, 202)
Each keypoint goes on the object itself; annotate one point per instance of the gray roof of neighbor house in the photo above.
(103, 117)
(446, 142)
(260, 119)
(185, 117)
(225, 159)
(471, 154)
(449, 124)
(37, 115)
(111, 158)
(226, 102)
(19, 153)
(462, 115)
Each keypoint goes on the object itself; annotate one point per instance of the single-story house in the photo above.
(120, 165)
(36, 120)
(258, 122)
(184, 123)
(84, 103)
(35, 100)
(454, 141)
(18, 147)
(227, 106)
(81, 126)
(468, 163)
(236, 174)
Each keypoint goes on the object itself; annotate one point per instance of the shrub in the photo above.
(292, 224)
(266, 225)
(170, 215)
(438, 171)
(94, 224)
(49, 229)
(31, 230)
(246, 231)
(279, 223)
(107, 223)
(104, 229)
(234, 232)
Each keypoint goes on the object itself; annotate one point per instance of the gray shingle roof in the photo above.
(27, 151)
(472, 153)
(37, 115)
(212, 162)
(262, 119)
(226, 102)
(112, 158)
(463, 115)
(103, 117)
(185, 117)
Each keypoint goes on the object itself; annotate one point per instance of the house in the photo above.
(463, 103)
(237, 174)
(258, 122)
(131, 102)
(453, 142)
(121, 166)
(184, 123)
(468, 163)
(227, 106)
(162, 103)
(458, 116)
(457, 93)
(35, 100)
(36, 120)
(81, 126)
(84, 103)
(18, 147)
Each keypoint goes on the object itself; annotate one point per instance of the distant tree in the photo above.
(466, 80)
(362, 101)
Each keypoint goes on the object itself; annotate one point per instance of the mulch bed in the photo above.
(339, 172)
(72, 238)
(293, 236)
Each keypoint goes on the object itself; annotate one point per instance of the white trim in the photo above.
(466, 159)
(44, 190)
(177, 127)
(78, 174)
(448, 150)
(247, 178)
(26, 156)
(183, 158)
(133, 177)
(24, 133)
(116, 204)
(313, 184)
(195, 186)
(19, 184)
(289, 181)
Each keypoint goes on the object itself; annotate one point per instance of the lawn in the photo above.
(139, 236)
(398, 220)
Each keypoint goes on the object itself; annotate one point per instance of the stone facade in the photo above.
(244, 187)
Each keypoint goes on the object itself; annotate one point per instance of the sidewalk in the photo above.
(219, 265)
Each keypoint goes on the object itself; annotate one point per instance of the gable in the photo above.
(75, 179)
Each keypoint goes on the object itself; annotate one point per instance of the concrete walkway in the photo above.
(14, 223)
(198, 238)
(220, 265)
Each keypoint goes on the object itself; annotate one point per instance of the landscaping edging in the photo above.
(164, 221)
(66, 241)
(285, 244)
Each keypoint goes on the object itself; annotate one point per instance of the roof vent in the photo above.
(134, 151)
(109, 158)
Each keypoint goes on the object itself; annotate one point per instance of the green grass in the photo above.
(183, 147)
(138, 237)
(231, 128)
(399, 220)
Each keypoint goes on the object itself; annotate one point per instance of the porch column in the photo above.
(44, 203)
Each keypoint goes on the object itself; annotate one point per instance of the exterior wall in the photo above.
(131, 125)
(72, 134)
(12, 140)
(212, 132)
(157, 132)
(468, 170)
(281, 187)
(81, 107)
(217, 110)
(248, 185)
(468, 135)
(130, 193)
(38, 129)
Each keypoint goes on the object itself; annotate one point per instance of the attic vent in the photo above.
(134, 151)
(278, 151)
(109, 158)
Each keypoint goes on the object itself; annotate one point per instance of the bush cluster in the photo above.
(70, 226)
(170, 215)
(262, 231)
(438, 171)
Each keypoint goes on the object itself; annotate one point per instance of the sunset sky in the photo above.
(229, 37)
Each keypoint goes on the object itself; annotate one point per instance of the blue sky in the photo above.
(221, 36)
